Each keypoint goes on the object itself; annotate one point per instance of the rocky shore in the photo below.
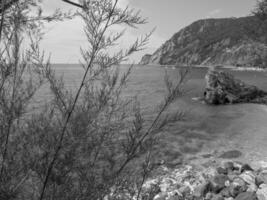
(229, 180)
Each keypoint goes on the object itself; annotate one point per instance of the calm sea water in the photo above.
(206, 128)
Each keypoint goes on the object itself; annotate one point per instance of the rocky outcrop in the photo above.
(145, 59)
(229, 41)
(223, 88)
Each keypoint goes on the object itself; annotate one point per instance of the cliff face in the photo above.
(230, 41)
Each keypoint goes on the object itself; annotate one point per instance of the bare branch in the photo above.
(73, 3)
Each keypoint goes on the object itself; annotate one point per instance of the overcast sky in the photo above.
(64, 39)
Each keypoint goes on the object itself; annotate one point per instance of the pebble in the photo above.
(261, 178)
(176, 197)
(184, 190)
(227, 183)
(202, 189)
(217, 197)
(209, 196)
(161, 196)
(225, 192)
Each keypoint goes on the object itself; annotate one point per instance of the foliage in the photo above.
(260, 10)
(85, 144)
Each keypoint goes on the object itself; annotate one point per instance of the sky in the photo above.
(63, 40)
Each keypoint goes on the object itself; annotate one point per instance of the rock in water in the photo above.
(223, 88)
(231, 154)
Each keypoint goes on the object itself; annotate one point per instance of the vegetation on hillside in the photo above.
(260, 10)
(228, 41)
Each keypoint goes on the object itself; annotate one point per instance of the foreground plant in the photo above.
(91, 143)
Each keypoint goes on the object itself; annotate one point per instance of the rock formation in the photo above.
(223, 88)
(145, 59)
(229, 41)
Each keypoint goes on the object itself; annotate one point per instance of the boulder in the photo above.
(249, 177)
(217, 183)
(224, 88)
(237, 186)
(246, 167)
(261, 178)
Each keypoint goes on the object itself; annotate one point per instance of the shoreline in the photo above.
(231, 67)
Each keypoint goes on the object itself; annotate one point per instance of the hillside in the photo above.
(228, 41)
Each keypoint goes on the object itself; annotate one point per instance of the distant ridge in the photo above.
(228, 41)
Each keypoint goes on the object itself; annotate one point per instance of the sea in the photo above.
(204, 129)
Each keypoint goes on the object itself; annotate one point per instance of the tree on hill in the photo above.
(261, 9)
(260, 12)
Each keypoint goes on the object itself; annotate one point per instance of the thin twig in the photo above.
(139, 143)
(14, 90)
(55, 156)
